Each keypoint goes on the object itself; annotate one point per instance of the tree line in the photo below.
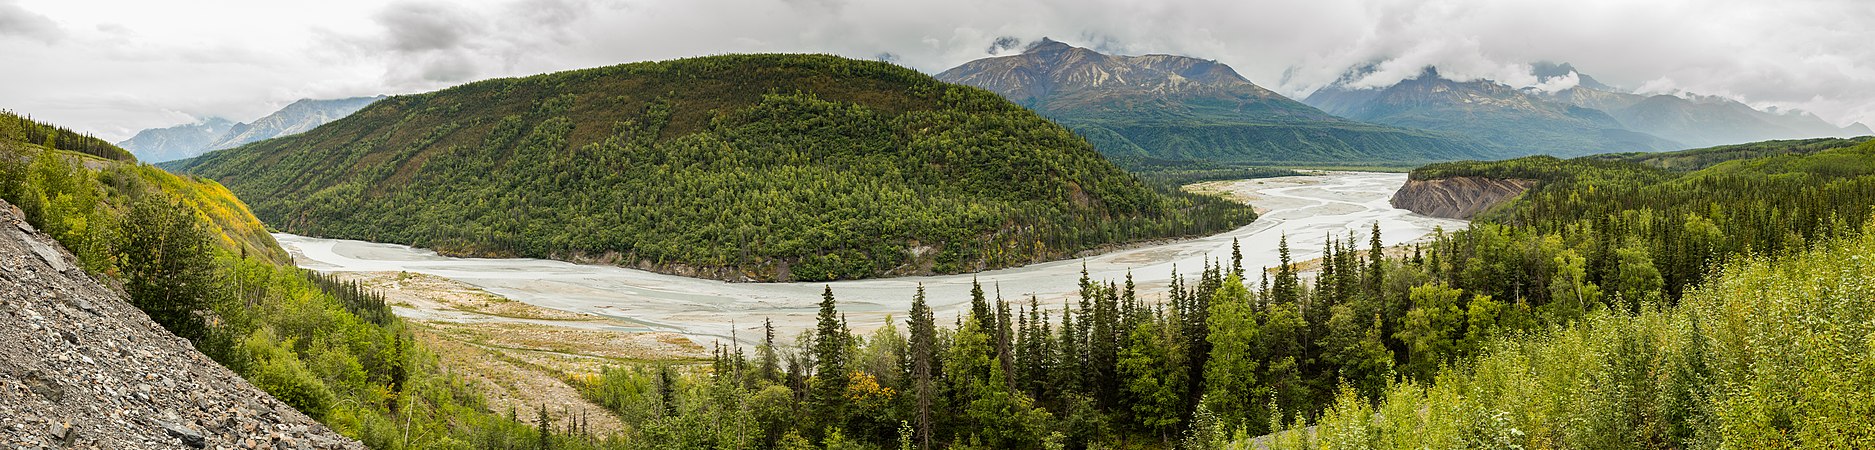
(23, 129)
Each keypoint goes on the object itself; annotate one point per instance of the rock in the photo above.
(48, 254)
(1457, 197)
(47, 389)
(187, 435)
(61, 432)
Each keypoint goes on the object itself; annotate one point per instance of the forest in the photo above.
(742, 167)
(1616, 305)
(18, 128)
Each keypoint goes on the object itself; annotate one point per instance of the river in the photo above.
(1305, 208)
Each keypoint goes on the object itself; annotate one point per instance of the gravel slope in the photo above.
(82, 368)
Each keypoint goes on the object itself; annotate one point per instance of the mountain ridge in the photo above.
(1513, 121)
(1171, 107)
(1544, 118)
(184, 141)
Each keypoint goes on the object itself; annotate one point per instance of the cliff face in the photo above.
(1457, 197)
(82, 368)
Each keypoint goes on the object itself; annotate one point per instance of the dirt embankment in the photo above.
(1457, 197)
(82, 368)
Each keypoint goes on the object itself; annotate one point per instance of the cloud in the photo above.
(417, 27)
(238, 59)
(1003, 44)
(18, 22)
(1553, 84)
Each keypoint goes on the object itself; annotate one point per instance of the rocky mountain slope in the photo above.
(1180, 108)
(189, 140)
(84, 369)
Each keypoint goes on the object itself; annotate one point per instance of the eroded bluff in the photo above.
(1457, 197)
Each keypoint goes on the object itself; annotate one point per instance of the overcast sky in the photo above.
(114, 67)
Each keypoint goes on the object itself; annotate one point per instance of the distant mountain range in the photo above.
(189, 140)
(1585, 118)
(1167, 107)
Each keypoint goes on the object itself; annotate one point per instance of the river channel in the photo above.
(1305, 208)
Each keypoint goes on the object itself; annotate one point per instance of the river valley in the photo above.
(1305, 208)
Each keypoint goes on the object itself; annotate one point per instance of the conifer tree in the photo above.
(830, 368)
(923, 345)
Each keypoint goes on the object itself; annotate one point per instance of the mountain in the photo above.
(1179, 108)
(177, 142)
(1512, 121)
(1858, 129)
(742, 167)
(1546, 72)
(186, 141)
(1697, 121)
(295, 118)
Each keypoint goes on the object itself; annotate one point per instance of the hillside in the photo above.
(1169, 107)
(1727, 306)
(1695, 159)
(19, 129)
(188, 140)
(93, 371)
(745, 167)
(190, 257)
(1511, 121)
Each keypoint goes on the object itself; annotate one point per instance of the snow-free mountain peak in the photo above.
(1171, 107)
(215, 133)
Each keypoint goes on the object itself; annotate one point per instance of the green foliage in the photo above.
(273, 367)
(1770, 353)
(1690, 160)
(167, 266)
(1232, 392)
(23, 129)
(770, 167)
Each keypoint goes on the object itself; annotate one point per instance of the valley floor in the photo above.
(521, 356)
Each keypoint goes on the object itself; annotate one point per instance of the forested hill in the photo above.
(1763, 198)
(763, 167)
(22, 129)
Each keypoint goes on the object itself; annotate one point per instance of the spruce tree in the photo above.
(830, 369)
(923, 329)
(1285, 289)
(770, 364)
